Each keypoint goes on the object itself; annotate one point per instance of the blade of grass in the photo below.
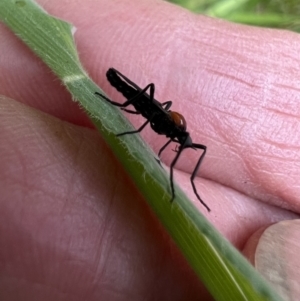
(266, 20)
(263, 13)
(224, 8)
(224, 271)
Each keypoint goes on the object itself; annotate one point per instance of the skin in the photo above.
(73, 226)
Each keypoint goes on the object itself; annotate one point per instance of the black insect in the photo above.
(162, 120)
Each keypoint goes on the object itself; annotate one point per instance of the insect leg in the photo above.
(117, 104)
(163, 148)
(108, 100)
(130, 111)
(167, 104)
(181, 148)
(135, 131)
(203, 147)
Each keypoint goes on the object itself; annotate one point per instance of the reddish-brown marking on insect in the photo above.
(178, 119)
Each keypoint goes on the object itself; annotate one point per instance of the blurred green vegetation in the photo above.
(264, 13)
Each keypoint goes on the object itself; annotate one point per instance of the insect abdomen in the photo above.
(114, 79)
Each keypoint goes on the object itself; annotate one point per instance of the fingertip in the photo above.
(274, 251)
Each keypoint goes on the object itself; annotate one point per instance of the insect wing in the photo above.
(127, 80)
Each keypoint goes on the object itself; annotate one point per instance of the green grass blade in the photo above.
(224, 271)
(274, 20)
(263, 13)
(224, 8)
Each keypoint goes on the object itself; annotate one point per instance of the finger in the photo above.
(236, 86)
(72, 224)
(236, 215)
(237, 95)
(25, 78)
(275, 253)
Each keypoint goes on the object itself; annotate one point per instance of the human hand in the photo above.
(72, 223)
